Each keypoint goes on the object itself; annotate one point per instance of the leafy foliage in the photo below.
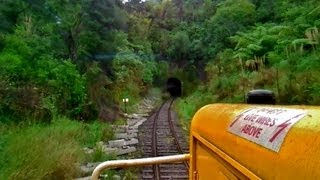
(112, 49)
(34, 76)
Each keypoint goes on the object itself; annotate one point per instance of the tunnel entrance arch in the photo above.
(174, 87)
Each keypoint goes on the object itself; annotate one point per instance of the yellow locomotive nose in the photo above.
(231, 141)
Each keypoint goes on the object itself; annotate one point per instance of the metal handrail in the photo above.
(138, 162)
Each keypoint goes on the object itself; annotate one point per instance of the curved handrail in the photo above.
(138, 162)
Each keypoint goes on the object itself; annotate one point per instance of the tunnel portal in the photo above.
(174, 87)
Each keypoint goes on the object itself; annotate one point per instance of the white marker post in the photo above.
(125, 101)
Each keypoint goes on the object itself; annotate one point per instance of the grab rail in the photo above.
(137, 162)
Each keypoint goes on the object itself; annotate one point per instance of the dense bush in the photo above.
(37, 85)
(133, 75)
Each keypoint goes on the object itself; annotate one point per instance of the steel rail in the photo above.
(156, 168)
(179, 148)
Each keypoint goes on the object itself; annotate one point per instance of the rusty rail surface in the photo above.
(179, 148)
(156, 168)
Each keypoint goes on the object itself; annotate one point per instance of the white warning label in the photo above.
(265, 125)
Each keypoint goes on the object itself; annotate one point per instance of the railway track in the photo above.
(161, 136)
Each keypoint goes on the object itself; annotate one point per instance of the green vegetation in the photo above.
(79, 58)
(186, 107)
(46, 152)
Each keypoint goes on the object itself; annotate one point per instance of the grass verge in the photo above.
(186, 107)
(53, 151)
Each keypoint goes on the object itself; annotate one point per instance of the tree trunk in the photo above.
(72, 47)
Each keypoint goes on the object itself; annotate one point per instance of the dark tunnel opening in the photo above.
(174, 87)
